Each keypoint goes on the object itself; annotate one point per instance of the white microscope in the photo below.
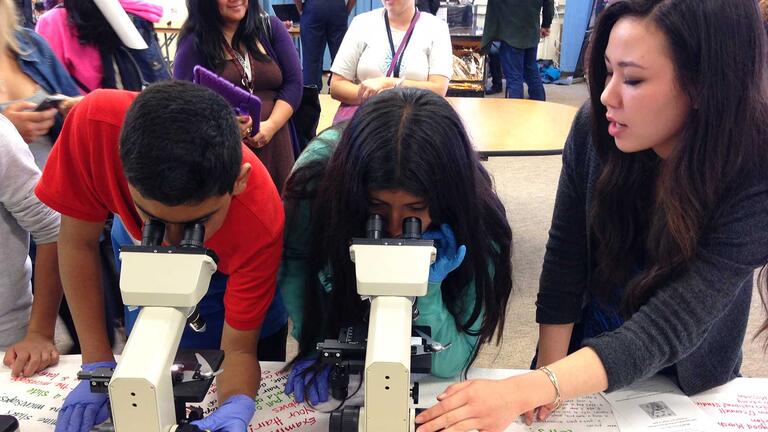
(167, 282)
(391, 273)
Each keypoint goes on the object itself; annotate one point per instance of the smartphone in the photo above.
(51, 101)
(8, 424)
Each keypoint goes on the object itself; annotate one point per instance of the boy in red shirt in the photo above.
(171, 153)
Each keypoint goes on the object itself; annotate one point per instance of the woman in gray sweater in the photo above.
(660, 217)
(26, 325)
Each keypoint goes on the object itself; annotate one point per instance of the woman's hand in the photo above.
(267, 130)
(67, 104)
(553, 346)
(374, 86)
(538, 414)
(486, 405)
(32, 354)
(245, 123)
(30, 124)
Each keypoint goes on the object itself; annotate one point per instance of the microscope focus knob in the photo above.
(345, 420)
(415, 393)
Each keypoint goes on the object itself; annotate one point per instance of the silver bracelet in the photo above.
(558, 402)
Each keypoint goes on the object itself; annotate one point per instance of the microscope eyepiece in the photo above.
(374, 227)
(194, 234)
(412, 228)
(152, 233)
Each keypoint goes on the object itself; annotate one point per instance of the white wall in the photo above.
(174, 11)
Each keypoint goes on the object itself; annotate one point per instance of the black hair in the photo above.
(652, 209)
(413, 140)
(204, 23)
(180, 144)
(91, 25)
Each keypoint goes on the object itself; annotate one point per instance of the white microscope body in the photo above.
(391, 272)
(168, 283)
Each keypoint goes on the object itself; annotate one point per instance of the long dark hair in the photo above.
(651, 210)
(204, 25)
(91, 25)
(412, 140)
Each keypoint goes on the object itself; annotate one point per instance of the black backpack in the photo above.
(307, 115)
(133, 69)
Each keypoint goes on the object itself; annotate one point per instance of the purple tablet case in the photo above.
(242, 101)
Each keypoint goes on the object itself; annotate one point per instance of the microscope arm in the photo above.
(388, 364)
(141, 391)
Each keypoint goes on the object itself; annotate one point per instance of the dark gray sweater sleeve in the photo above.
(679, 315)
(564, 274)
(691, 322)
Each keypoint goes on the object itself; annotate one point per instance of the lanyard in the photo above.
(243, 66)
(397, 56)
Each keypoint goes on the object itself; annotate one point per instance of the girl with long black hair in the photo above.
(404, 153)
(660, 217)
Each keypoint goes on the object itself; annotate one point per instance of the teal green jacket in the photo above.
(294, 278)
(516, 22)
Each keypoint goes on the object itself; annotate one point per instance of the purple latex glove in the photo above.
(303, 386)
(82, 410)
(449, 256)
(234, 415)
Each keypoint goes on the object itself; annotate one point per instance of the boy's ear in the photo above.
(241, 183)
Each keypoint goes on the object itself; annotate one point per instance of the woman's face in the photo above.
(232, 11)
(395, 205)
(398, 6)
(646, 109)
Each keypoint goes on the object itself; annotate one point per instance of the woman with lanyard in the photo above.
(390, 47)
(235, 40)
(238, 42)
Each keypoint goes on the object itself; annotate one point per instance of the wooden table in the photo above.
(170, 31)
(500, 127)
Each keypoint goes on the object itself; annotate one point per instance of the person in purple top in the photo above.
(237, 41)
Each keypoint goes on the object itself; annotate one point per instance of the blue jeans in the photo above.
(322, 22)
(520, 65)
(211, 307)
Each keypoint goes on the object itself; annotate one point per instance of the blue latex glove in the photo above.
(82, 410)
(234, 415)
(302, 372)
(449, 257)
